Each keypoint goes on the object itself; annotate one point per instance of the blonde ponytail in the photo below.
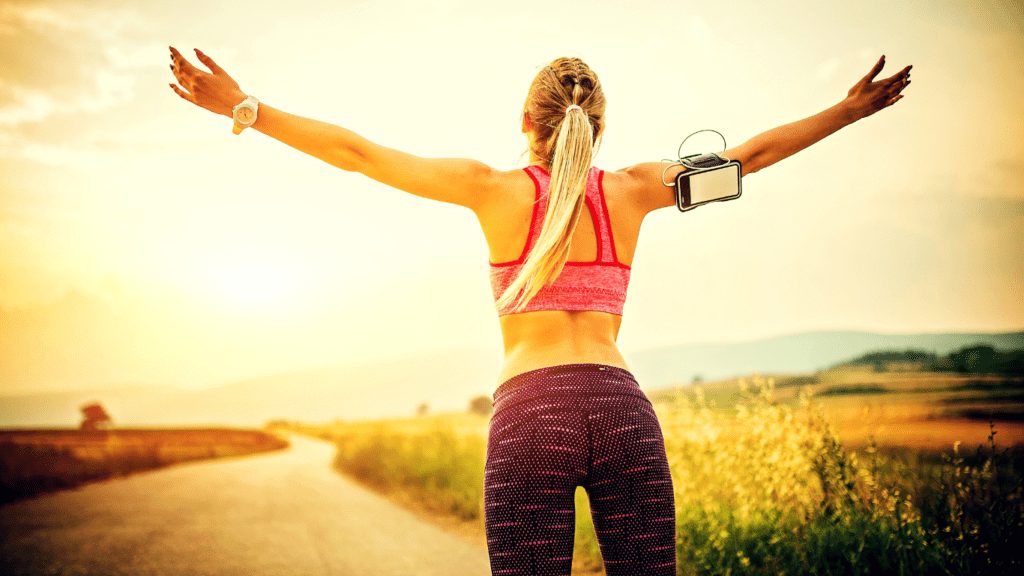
(570, 166)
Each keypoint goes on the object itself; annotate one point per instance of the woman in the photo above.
(561, 235)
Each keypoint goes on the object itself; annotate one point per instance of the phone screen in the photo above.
(714, 184)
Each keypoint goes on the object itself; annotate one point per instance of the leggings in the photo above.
(561, 427)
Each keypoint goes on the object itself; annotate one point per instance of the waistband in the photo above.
(567, 379)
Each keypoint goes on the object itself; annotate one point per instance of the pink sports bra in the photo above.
(599, 285)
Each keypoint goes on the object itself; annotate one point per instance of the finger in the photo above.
(182, 78)
(183, 64)
(209, 62)
(182, 93)
(900, 76)
(874, 71)
(898, 87)
(893, 101)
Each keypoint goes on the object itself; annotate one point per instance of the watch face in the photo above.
(245, 115)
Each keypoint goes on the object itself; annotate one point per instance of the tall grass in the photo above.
(429, 459)
(773, 491)
(766, 489)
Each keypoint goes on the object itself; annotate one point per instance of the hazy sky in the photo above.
(237, 256)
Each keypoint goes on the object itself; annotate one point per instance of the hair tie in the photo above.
(574, 107)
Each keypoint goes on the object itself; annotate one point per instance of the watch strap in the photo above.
(253, 103)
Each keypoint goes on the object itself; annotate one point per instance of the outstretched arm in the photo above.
(864, 99)
(458, 181)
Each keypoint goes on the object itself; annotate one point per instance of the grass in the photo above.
(766, 485)
(38, 461)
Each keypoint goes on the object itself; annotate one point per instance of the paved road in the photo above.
(285, 513)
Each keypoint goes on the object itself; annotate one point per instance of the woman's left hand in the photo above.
(867, 97)
(217, 92)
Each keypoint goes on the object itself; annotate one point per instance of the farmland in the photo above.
(44, 460)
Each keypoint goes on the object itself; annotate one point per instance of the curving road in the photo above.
(284, 513)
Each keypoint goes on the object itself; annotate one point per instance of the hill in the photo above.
(797, 353)
(446, 380)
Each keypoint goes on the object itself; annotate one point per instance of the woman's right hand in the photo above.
(867, 97)
(217, 92)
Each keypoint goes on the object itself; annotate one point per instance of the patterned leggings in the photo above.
(577, 425)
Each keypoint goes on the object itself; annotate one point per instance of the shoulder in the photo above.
(502, 191)
(641, 186)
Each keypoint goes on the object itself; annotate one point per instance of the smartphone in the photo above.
(716, 184)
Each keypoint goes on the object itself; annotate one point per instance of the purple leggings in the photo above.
(577, 425)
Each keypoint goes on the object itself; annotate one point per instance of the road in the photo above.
(283, 513)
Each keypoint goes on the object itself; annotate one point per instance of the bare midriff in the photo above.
(554, 337)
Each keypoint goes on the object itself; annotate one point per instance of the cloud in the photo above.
(33, 105)
(100, 23)
(68, 58)
(29, 105)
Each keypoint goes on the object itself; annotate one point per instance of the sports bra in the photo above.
(599, 285)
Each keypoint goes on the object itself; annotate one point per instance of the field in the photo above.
(904, 408)
(38, 461)
(840, 472)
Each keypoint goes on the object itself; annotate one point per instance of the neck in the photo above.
(538, 161)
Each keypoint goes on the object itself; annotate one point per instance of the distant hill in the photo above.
(798, 353)
(444, 380)
(447, 380)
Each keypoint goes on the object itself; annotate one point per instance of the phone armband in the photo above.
(708, 178)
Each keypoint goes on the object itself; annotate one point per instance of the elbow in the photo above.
(758, 160)
(347, 158)
(751, 158)
(751, 165)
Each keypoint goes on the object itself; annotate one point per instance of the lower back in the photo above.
(553, 337)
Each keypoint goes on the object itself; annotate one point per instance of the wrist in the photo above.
(848, 111)
(234, 99)
(245, 114)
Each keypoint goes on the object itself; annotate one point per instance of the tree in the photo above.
(95, 417)
(480, 405)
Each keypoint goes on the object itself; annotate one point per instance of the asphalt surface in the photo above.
(283, 513)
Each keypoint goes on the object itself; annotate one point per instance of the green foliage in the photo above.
(441, 467)
(773, 491)
(882, 357)
(981, 359)
(763, 489)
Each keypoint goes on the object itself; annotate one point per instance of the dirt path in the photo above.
(285, 513)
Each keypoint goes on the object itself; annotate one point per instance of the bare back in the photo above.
(554, 337)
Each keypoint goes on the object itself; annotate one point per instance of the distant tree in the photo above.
(697, 380)
(983, 359)
(880, 358)
(95, 417)
(422, 409)
(974, 359)
(480, 405)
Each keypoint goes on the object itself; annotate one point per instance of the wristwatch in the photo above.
(245, 113)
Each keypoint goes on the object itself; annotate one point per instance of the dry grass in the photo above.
(38, 461)
(770, 482)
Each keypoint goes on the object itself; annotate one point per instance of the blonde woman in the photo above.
(561, 235)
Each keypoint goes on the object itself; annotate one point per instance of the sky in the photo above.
(142, 242)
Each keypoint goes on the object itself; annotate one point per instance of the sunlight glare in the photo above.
(256, 285)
